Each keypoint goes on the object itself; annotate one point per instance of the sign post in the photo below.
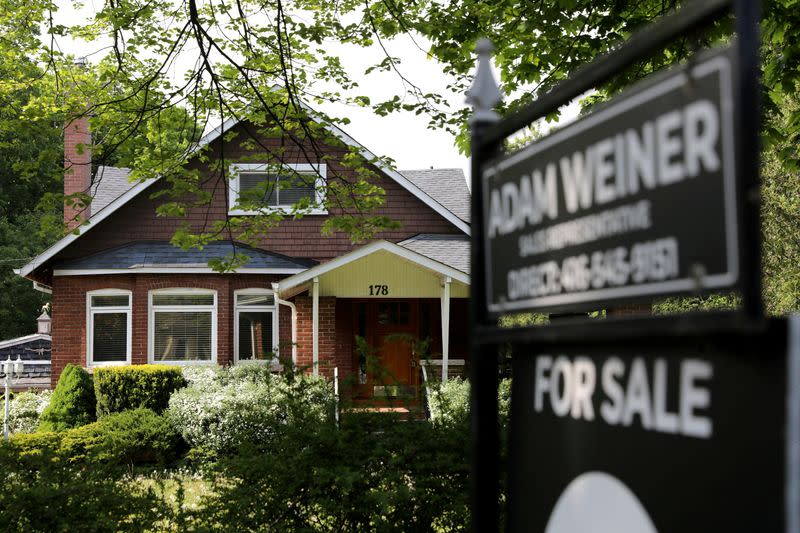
(680, 423)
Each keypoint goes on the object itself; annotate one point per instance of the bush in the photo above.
(72, 403)
(25, 409)
(449, 401)
(42, 493)
(136, 437)
(120, 388)
(245, 404)
(372, 474)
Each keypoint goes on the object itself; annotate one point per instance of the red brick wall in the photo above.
(329, 357)
(69, 311)
(77, 166)
(298, 238)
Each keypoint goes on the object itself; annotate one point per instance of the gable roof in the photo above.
(109, 184)
(298, 280)
(109, 208)
(162, 256)
(448, 186)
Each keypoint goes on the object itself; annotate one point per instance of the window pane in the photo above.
(255, 336)
(255, 299)
(182, 336)
(109, 337)
(260, 184)
(294, 187)
(116, 300)
(183, 299)
(394, 313)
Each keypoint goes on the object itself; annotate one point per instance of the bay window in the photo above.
(183, 326)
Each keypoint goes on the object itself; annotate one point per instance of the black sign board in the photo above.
(681, 434)
(637, 199)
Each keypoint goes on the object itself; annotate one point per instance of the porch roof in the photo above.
(405, 272)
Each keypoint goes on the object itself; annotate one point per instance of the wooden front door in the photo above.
(390, 329)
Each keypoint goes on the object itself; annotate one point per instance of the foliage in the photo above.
(135, 437)
(42, 493)
(450, 401)
(372, 474)
(73, 401)
(780, 213)
(25, 409)
(246, 403)
(712, 302)
(120, 388)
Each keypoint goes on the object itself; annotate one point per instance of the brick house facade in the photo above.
(122, 295)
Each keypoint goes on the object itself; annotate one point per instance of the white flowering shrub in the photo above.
(24, 410)
(202, 375)
(449, 401)
(245, 404)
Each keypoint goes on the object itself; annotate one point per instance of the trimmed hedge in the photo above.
(73, 401)
(120, 388)
(134, 437)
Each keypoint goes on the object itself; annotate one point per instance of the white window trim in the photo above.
(151, 322)
(91, 311)
(319, 185)
(269, 308)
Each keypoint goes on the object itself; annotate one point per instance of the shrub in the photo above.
(42, 493)
(120, 388)
(449, 401)
(72, 403)
(372, 474)
(246, 404)
(25, 409)
(136, 437)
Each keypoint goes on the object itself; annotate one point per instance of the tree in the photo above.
(260, 60)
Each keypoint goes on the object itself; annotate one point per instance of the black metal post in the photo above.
(748, 150)
(485, 445)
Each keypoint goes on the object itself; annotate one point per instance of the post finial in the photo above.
(485, 92)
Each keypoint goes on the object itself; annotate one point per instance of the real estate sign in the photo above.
(636, 200)
(676, 434)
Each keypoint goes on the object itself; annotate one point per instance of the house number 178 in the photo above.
(378, 290)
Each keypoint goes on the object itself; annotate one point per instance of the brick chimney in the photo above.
(77, 167)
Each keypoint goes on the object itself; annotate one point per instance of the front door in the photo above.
(390, 330)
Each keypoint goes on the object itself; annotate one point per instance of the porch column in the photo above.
(445, 325)
(315, 326)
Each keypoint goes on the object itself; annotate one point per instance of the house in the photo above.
(122, 294)
(34, 351)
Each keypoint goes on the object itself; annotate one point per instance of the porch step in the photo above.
(405, 413)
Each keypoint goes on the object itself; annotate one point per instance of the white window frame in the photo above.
(320, 169)
(91, 311)
(263, 308)
(151, 322)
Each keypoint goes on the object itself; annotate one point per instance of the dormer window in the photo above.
(259, 188)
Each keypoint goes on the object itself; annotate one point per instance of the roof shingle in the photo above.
(142, 254)
(450, 250)
(448, 186)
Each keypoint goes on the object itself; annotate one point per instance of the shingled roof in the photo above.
(109, 183)
(143, 255)
(446, 185)
(450, 250)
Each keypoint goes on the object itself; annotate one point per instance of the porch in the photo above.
(377, 314)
